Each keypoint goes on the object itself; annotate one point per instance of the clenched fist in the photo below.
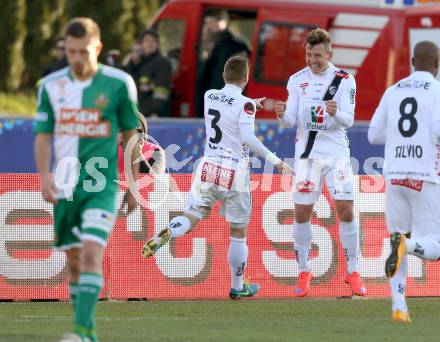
(280, 108)
(331, 107)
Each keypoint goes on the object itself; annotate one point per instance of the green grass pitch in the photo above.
(244, 320)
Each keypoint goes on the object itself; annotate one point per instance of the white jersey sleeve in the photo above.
(346, 100)
(247, 113)
(246, 123)
(436, 120)
(289, 118)
(377, 131)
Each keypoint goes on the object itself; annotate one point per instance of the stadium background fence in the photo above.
(195, 266)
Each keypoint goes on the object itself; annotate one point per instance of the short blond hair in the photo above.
(319, 36)
(236, 69)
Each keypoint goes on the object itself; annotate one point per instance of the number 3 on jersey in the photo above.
(218, 132)
(407, 122)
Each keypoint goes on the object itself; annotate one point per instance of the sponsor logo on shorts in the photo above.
(408, 183)
(305, 186)
(107, 216)
(216, 174)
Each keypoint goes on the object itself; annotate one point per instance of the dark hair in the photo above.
(236, 69)
(80, 27)
(149, 32)
(217, 14)
(319, 36)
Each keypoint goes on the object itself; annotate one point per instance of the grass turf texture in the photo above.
(244, 320)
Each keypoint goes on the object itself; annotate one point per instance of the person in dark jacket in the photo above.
(225, 46)
(133, 61)
(60, 60)
(154, 77)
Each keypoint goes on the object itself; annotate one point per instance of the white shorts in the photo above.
(225, 181)
(310, 175)
(413, 207)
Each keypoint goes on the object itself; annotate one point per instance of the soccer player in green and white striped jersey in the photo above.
(83, 106)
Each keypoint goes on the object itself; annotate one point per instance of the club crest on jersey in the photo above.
(101, 101)
(249, 108)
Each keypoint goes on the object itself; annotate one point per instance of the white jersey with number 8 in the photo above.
(406, 120)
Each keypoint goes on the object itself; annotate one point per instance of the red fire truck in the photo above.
(372, 39)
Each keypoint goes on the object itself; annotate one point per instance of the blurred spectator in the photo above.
(113, 58)
(154, 77)
(60, 60)
(223, 46)
(133, 61)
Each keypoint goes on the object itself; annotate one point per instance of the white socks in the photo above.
(424, 248)
(237, 259)
(179, 226)
(349, 235)
(302, 235)
(398, 286)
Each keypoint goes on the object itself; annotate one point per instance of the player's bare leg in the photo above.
(178, 226)
(302, 235)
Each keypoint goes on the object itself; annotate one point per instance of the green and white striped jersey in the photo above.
(85, 117)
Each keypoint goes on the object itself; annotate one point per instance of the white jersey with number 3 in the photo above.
(406, 121)
(225, 109)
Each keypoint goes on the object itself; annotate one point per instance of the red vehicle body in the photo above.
(371, 42)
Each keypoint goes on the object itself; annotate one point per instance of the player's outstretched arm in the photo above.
(259, 102)
(256, 146)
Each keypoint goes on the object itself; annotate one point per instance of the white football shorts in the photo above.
(309, 179)
(221, 180)
(413, 206)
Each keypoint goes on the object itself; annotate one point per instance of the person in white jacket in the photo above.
(407, 121)
(223, 172)
(321, 105)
